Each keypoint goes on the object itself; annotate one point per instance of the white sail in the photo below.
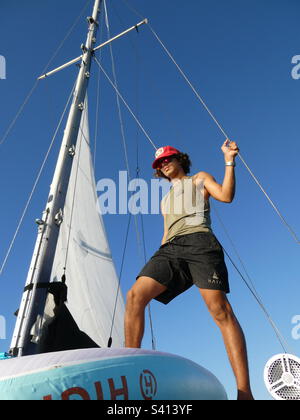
(84, 250)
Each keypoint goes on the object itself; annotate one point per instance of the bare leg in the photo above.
(143, 291)
(233, 337)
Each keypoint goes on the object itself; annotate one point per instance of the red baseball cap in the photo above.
(163, 152)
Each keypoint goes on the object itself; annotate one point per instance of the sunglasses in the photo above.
(165, 161)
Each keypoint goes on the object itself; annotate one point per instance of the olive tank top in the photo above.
(185, 209)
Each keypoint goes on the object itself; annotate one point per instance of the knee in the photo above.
(221, 312)
(131, 297)
(135, 300)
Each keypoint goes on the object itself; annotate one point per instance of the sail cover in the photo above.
(93, 299)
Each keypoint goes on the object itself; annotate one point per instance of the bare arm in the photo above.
(223, 192)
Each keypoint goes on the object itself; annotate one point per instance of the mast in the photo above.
(38, 278)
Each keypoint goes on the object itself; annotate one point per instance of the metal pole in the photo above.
(34, 296)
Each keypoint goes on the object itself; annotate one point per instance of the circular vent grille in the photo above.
(282, 377)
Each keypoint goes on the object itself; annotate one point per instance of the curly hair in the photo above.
(184, 161)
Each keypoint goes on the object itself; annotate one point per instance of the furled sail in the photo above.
(83, 258)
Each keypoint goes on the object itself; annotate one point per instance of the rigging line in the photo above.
(125, 103)
(145, 259)
(162, 107)
(113, 66)
(35, 183)
(292, 232)
(126, 161)
(120, 275)
(279, 335)
(188, 81)
(284, 221)
(119, 108)
(97, 102)
(19, 112)
(128, 170)
(132, 9)
(253, 290)
(233, 246)
(153, 340)
(255, 294)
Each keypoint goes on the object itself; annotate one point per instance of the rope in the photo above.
(292, 232)
(35, 185)
(284, 221)
(188, 82)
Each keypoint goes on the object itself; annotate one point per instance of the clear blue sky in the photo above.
(238, 55)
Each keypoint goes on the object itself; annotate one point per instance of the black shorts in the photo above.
(196, 258)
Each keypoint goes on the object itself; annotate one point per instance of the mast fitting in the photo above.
(92, 21)
(72, 151)
(83, 48)
(59, 217)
